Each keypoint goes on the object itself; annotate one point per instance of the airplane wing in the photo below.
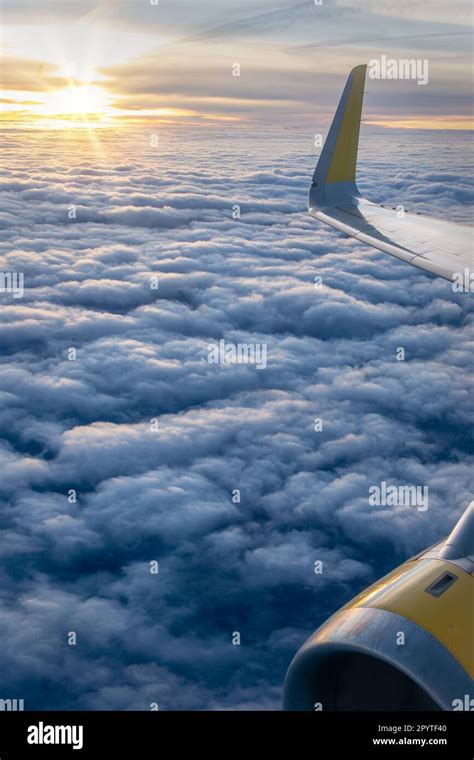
(437, 246)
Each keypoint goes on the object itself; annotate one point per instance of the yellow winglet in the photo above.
(344, 156)
(336, 168)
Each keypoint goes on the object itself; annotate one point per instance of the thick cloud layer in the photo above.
(155, 439)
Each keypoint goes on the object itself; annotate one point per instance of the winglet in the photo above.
(460, 542)
(334, 177)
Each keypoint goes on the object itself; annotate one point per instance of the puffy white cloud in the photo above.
(141, 354)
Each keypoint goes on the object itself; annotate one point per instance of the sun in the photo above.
(86, 102)
(85, 99)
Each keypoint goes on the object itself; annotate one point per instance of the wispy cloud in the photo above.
(292, 57)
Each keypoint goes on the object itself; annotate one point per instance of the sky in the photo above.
(123, 61)
(106, 389)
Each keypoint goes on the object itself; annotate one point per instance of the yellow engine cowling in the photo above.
(405, 643)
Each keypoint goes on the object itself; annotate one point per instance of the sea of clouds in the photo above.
(149, 204)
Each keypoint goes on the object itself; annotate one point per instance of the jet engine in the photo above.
(405, 643)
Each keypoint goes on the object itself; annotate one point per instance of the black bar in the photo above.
(138, 734)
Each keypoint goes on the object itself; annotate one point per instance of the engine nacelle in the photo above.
(405, 643)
